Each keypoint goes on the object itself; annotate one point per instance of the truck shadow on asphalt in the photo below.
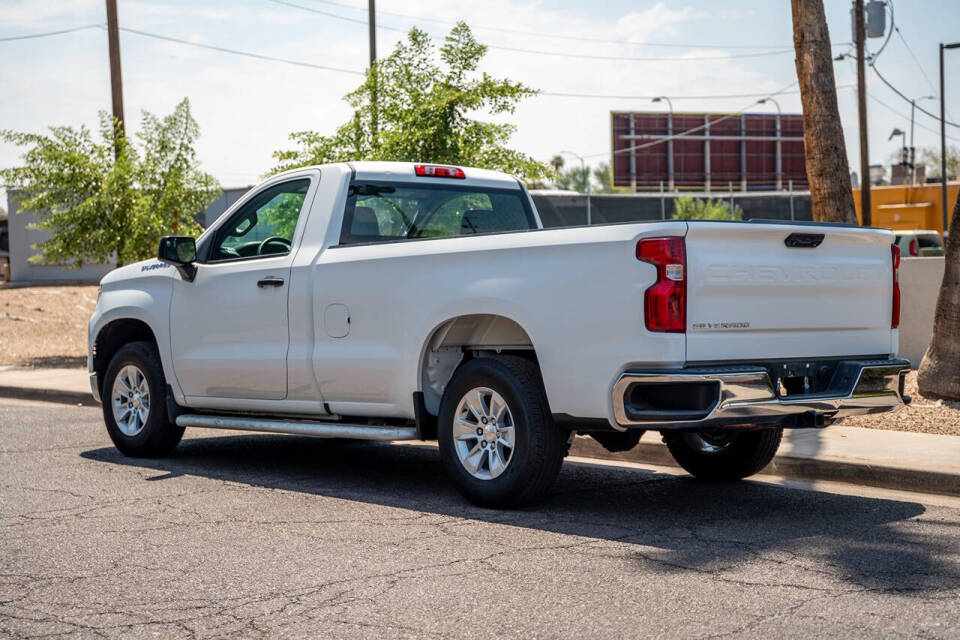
(671, 523)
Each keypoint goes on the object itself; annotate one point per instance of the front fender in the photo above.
(148, 302)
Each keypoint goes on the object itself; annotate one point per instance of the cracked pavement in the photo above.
(240, 535)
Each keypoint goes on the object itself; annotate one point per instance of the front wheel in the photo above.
(723, 455)
(497, 439)
(134, 403)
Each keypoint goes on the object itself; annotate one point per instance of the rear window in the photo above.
(929, 241)
(390, 212)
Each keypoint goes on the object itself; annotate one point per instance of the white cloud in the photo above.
(658, 21)
(246, 108)
(30, 14)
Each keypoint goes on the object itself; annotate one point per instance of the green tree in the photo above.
(688, 208)
(410, 108)
(930, 156)
(574, 179)
(100, 206)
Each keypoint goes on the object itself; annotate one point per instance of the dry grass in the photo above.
(45, 326)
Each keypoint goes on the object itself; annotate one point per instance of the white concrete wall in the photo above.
(21, 240)
(919, 285)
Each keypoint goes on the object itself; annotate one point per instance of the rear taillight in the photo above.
(438, 171)
(665, 303)
(914, 249)
(895, 312)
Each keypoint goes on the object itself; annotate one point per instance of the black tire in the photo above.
(539, 445)
(158, 436)
(739, 453)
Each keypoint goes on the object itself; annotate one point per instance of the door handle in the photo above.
(270, 281)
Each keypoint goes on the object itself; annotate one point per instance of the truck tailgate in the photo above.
(751, 296)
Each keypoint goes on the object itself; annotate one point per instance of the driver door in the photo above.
(228, 328)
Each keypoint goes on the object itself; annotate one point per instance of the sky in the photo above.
(247, 107)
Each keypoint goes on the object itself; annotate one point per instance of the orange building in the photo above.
(906, 207)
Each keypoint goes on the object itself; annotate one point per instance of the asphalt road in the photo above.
(253, 535)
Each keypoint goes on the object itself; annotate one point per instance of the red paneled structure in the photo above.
(712, 151)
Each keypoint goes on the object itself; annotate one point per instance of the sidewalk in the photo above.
(921, 462)
(70, 386)
(889, 459)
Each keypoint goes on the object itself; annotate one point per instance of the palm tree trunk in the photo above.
(939, 375)
(828, 173)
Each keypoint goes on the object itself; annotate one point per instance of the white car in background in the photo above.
(919, 244)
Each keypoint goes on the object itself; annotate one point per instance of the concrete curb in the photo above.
(49, 395)
(852, 471)
(926, 475)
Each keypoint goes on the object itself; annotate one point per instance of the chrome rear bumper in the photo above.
(740, 396)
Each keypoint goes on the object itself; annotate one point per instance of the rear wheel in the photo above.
(497, 439)
(723, 455)
(134, 403)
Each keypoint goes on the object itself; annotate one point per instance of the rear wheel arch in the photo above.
(459, 339)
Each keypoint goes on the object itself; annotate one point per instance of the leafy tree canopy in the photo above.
(410, 108)
(930, 156)
(689, 208)
(576, 178)
(109, 199)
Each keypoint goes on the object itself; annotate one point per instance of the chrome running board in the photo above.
(298, 427)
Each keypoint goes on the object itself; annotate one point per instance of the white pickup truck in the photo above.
(393, 301)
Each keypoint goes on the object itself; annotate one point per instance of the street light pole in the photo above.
(372, 27)
(586, 180)
(670, 184)
(943, 140)
(779, 149)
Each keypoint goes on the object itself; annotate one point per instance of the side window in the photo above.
(384, 212)
(264, 226)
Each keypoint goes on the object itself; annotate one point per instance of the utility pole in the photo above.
(866, 213)
(943, 140)
(372, 24)
(116, 82)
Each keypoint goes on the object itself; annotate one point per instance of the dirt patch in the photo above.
(45, 326)
(923, 415)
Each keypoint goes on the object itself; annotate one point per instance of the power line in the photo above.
(558, 54)
(50, 33)
(915, 59)
(237, 52)
(636, 147)
(923, 71)
(558, 36)
(300, 63)
(727, 96)
(901, 94)
(906, 117)
(738, 96)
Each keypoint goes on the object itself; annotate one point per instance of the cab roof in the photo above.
(392, 171)
(376, 170)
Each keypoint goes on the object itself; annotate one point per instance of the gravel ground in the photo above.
(47, 327)
(923, 414)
